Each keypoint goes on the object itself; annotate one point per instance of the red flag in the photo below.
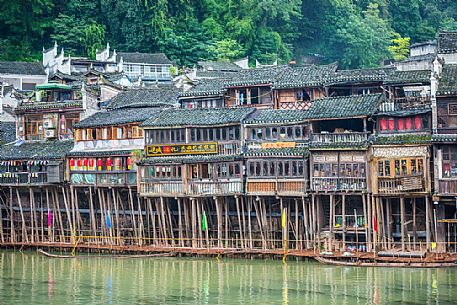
(375, 225)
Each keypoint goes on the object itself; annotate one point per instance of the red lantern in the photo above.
(91, 164)
(417, 123)
(86, 164)
(72, 164)
(109, 163)
(80, 164)
(99, 164)
(129, 163)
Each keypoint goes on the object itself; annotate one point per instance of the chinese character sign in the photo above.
(182, 149)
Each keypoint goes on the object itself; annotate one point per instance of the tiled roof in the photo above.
(405, 112)
(345, 106)
(157, 97)
(198, 117)
(7, 132)
(48, 105)
(409, 77)
(358, 76)
(339, 146)
(259, 76)
(219, 66)
(265, 152)
(36, 150)
(206, 87)
(98, 153)
(144, 58)
(118, 117)
(23, 68)
(304, 76)
(447, 42)
(215, 74)
(402, 139)
(270, 116)
(423, 57)
(447, 85)
(189, 159)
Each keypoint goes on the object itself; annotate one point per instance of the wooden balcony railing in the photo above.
(229, 148)
(279, 186)
(122, 178)
(343, 137)
(405, 103)
(214, 188)
(447, 186)
(343, 184)
(24, 178)
(165, 188)
(405, 184)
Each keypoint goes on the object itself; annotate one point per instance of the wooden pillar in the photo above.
(24, 229)
(402, 222)
(389, 223)
(331, 220)
(414, 224)
(12, 229)
(193, 216)
(369, 221)
(343, 215)
(427, 223)
(250, 222)
(305, 221)
(365, 216)
(240, 226)
(180, 233)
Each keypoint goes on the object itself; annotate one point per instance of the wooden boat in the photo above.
(363, 263)
(107, 256)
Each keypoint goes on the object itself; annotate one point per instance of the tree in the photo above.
(400, 47)
(226, 49)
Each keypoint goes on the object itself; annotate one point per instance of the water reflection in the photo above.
(33, 279)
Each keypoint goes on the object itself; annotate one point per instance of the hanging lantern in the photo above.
(117, 163)
(99, 164)
(62, 123)
(86, 164)
(72, 164)
(91, 164)
(129, 163)
(80, 164)
(109, 163)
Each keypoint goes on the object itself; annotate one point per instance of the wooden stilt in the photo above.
(227, 225)
(132, 214)
(140, 222)
(50, 228)
(170, 221)
(316, 225)
(41, 214)
(116, 215)
(427, 223)
(67, 209)
(402, 222)
(305, 220)
(80, 223)
(59, 214)
(240, 226)
(414, 223)
(369, 223)
(180, 232)
(365, 216)
(152, 216)
(12, 218)
(32, 214)
(259, 221)
(93, 224)
(343, 221)
(389, 222)
(331, 221)
(219, 223)
(250, 222)
(194, 222)
(243, 218)
(24, 229)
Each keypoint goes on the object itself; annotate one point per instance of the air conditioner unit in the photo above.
(48, 123)
(50, 133)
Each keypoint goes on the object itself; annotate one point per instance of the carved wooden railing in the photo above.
(344, 184)
(405, 103)
(279, 186)
(23, 178)
(122, 178)
(214, 187)
(405, 184)
(343, 137)
(447, 186)
(165, 188)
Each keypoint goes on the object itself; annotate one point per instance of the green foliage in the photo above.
(355, 33)
(400, 47)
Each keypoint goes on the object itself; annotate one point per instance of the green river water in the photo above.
(28, 278)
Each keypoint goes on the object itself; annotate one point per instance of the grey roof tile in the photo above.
(304, 76)
(219, 65)
(270, 116)
(206, 87)
(144, 58)
(447, 42)
(408, 77)
(280, 152)
(447, 84)
(47, 150)
(198, 117)
(258, 76)
(118, 117)
(23, 68)
(157, 97)
(7, 132)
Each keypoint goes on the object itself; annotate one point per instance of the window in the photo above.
(452, 109)
(449, 163)
(400, 167)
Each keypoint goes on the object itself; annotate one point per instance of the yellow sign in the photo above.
(278, 145)
(181, 149)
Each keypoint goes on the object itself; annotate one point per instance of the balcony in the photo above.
(279, 186)
(405, 103)
(229, 148)
(339, 184)
(398, 185)
(192, 188)
(162, 188)
(447, 186)
(104, 178)
(339, 138)
(351, 221)
(23, 178)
